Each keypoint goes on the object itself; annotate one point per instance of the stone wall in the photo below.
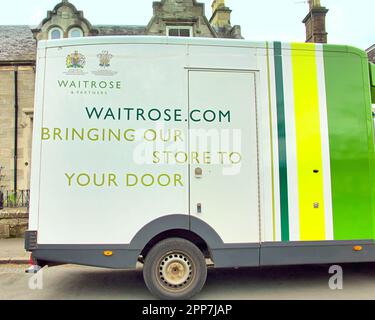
(13, 223)
(179, 13)
(26, 84)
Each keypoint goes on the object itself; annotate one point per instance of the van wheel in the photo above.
(175, 269)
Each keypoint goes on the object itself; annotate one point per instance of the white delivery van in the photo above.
(178, 153)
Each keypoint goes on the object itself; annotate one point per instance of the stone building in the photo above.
(17, 76)
(185, 18)
(371, 53)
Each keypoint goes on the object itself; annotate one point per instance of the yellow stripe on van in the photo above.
(309, 148)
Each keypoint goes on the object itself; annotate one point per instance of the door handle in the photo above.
(198, 173)
(199, 208)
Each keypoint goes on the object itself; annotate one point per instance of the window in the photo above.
(55, 33)
(75, 33)
(178, 31)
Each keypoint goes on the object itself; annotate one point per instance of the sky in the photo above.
(348, 21)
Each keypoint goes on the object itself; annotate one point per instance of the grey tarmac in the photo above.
(296, 282)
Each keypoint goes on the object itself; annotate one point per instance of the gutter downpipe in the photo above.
(15, 128)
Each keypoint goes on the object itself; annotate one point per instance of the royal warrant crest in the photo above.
(105, 59)
(75, 60)
(104, 65)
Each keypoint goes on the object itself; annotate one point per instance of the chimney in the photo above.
(220, 15)
(315, 23)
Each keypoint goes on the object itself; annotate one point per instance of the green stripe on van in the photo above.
(283, 170)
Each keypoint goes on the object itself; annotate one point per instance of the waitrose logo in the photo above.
(89, 85)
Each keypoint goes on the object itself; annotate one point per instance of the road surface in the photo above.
(297, 282)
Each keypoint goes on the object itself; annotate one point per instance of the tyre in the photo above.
(175, 269)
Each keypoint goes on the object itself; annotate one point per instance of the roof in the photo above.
(120, 30)
(17, 43)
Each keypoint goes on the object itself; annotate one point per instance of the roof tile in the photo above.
(17, 43)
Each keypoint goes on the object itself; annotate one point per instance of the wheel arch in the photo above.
(183, 226)
(178, 233)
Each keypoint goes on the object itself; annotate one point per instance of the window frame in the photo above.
(50, 32)
(76, 29)
(190, 28)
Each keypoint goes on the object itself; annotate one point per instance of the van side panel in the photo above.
(351, 144)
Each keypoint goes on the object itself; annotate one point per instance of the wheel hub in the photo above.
(176, 270)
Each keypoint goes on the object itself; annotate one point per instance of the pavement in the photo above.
(12, 252)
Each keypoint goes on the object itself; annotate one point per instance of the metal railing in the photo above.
(12, 199)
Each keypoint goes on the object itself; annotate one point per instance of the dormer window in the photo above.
(179, 31)
(75, 33)
(55, 33)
